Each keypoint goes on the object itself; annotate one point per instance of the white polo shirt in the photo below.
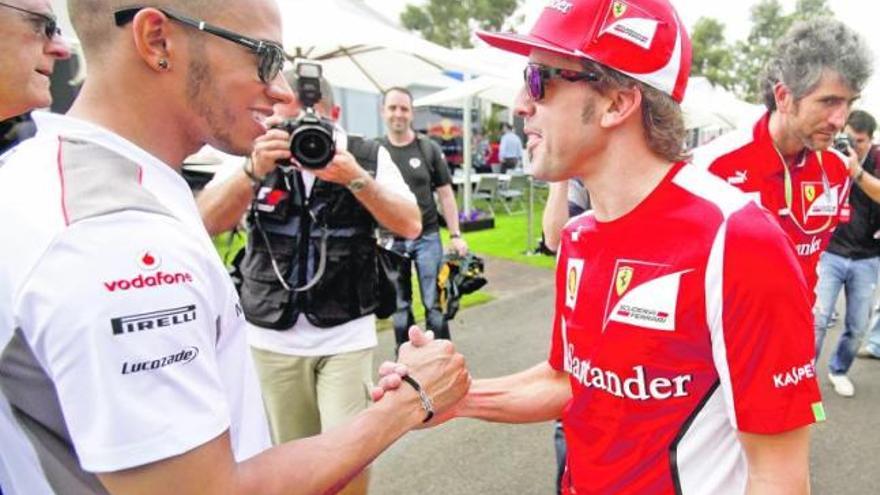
(120, 330)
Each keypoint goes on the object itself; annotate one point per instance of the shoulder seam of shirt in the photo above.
(736, 140)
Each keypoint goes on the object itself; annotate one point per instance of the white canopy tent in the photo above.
(361, 49)
(497, 90)
(706, 105)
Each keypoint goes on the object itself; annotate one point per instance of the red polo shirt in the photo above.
(819, 185)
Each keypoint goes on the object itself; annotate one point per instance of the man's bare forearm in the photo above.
(315, 465)
(537, 394)
(223, 205)
(779, 464)
(449, 207)
(395, 212)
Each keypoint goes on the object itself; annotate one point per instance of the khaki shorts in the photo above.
(306, 395)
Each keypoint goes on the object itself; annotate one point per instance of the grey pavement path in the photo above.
(467, 457)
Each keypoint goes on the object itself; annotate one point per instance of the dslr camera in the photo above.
(312, 137)
(843, 143)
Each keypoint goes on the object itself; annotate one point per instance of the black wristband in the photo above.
(455, 236)
(426, 401)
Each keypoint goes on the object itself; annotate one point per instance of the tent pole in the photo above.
(466, 151)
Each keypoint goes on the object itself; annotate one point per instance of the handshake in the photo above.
(436, 377)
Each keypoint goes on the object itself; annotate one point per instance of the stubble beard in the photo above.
(204, 100)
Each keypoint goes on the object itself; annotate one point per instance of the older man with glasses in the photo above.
(30, 43)
(122, 340)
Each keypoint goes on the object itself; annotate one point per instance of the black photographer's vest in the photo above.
(348, 288)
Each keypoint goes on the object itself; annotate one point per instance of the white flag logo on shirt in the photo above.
(650, 305)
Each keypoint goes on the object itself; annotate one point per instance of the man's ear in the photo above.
(784, 98)
(335, 113)
(620, 104)
(150, 29)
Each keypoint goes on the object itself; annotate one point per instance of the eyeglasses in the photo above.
(271, 55)
(536, 77)
(47, 23)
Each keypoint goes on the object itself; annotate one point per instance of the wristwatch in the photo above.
(357, 184)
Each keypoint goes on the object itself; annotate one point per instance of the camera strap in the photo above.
(299, 184)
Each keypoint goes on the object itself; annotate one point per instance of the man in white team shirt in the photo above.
(122, 338)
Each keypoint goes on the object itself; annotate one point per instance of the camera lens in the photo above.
(842, 143)
(312, 146)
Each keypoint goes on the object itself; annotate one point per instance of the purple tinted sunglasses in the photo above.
(536, 77)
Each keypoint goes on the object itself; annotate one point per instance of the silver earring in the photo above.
(163, 64)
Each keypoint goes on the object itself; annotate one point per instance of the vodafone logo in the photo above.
(146, 281)
(148, 260)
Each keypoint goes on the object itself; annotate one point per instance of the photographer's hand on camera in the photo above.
(270, 149)
(853, 164)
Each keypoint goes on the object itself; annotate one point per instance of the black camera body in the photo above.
(843, 143)
(312, 137)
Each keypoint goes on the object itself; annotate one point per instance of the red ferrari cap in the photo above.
(643, 39)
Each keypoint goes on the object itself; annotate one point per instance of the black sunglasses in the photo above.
(537, 75)
(271, 55)
(48, 23)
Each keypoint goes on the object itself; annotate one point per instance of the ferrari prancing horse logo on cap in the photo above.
(619, 8)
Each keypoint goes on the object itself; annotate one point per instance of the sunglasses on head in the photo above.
(49, 25)
(537, 75)
(270, 55)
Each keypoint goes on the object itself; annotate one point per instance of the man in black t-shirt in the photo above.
(425, 171)
(851, 261)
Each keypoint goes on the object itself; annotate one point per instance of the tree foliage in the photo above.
(712, 58)
(738, 66)
(451, 23)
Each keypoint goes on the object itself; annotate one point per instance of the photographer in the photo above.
(310, 270)
(853, 256)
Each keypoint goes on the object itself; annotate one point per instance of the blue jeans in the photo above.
(858, 279)
(427, 253)
(873, 342)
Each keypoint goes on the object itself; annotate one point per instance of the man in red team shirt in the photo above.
(681, 357)
(785, 161)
